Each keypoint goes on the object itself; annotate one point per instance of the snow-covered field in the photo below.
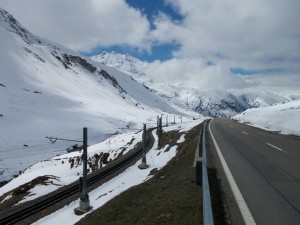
(282, 117)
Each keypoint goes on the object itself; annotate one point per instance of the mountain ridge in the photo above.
(213, 103)
(49, 90)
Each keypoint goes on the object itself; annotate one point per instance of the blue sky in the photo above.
(242, 71)
(152, 7)
(159, 51)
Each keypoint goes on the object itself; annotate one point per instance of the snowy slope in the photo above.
(65, 169)
(58, 171)
(206, 102)
(130, 177)
(48, 90)
(283, 117)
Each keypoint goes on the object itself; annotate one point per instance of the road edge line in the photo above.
(246, 214)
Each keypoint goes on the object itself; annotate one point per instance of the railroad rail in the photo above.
(42, 203)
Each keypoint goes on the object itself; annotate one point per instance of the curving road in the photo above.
(262, 179)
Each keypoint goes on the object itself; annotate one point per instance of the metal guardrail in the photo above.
(202, 179)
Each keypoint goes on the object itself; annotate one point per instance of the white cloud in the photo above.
(195, 73)
(82, 25)
(250, 34)
(251, 30)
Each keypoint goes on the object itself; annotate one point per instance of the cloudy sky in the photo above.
(185, 41)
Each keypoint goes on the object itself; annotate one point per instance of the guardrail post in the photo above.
(199, 172)
(144, 165)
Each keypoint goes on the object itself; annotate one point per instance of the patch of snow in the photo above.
(6, 198)
(181, 139)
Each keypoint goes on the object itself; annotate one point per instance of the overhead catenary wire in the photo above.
(27, 147)
(54, 139)
(39, 153)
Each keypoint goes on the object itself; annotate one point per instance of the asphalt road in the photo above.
(266, 170)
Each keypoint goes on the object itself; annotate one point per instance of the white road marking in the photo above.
(246, 214)
(276, 147)
(244, 133)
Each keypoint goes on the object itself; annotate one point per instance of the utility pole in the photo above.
(159, 133)
(144, 165)
(167, 121)
(174, 119)
(157, 124)
(84, 204)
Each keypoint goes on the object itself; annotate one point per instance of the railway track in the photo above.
(42, 203)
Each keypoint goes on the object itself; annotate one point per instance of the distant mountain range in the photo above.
(215, 103)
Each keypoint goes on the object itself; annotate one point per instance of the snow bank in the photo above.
(283, 117)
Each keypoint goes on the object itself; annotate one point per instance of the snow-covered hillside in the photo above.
(49, 175)
(124, 63)
(214, 102)
(48, 90)
(282, 117)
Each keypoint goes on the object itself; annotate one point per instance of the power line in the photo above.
(13, 157)
(54, 139)
(28, 147)
(40, 145)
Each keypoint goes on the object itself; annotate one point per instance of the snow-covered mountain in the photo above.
(209, 103)
(124, 63)
(48, 90)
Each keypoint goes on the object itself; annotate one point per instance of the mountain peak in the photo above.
(125, 63)
(8, 22)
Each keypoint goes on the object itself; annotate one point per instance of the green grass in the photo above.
(170, 197)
